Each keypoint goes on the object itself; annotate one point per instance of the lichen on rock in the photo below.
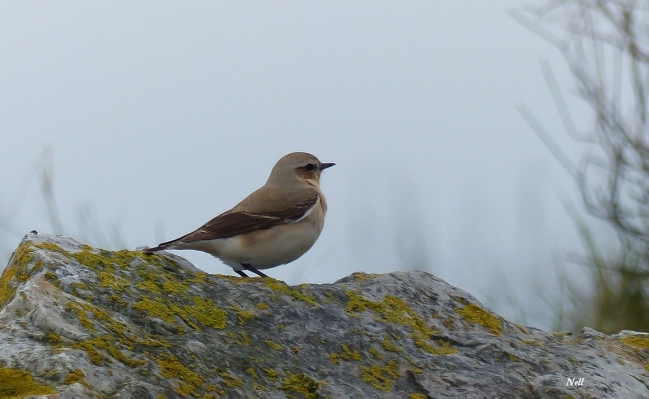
(77, 322)
(19, 383)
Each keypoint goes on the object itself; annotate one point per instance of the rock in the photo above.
(80, 322)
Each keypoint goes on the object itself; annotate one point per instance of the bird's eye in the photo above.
(311, 167)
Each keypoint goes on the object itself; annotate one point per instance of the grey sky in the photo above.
(163, 114)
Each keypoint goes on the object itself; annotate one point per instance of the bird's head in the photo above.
(300, 165)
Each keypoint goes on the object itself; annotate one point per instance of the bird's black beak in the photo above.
(326, 165)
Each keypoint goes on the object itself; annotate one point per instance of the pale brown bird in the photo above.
(273, 226)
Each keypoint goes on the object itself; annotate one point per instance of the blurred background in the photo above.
(463, 133)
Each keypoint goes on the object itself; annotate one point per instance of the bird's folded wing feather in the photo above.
(233, 223)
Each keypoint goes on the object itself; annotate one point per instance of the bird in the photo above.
(273, 226)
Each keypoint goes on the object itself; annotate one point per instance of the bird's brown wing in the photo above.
(233, 223)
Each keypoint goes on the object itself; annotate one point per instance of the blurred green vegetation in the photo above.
(606, 48)
(85, 227)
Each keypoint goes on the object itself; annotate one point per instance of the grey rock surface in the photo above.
(79, 322)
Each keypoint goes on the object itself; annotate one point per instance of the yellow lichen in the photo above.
(203, 310)
(449, 323)
(16, 268)
(349, 354)
(381, 377)
(261, 305)
(104, 263)
(175, 288)
(330, 298)
(53, 338)
(417, 396)
(155, 308)
(229, 381)
(206, 313)
(101, 317)
(106, 344)
(245, 339)
(74, 377)
(523, 329)
(152, 341)
(375, 354)
(252, 372)
(171, 367)
(110, 279)
(242, 315)
(346, 354)
(271, 374)
(393, 310)
(184, 389)
(150, 286)
(18, 384)
(301, 383)
(240, 338)
(81, 315)
(272, 344)
(50, 276)
(280, 287)
(474, 314)
(102, 259)
(94, 356)
(389, 346)
(444, 349)
(533, 342)
(637, 341)
(358, 276)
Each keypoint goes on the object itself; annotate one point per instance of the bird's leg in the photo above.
(241, 273)
(252, 269)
